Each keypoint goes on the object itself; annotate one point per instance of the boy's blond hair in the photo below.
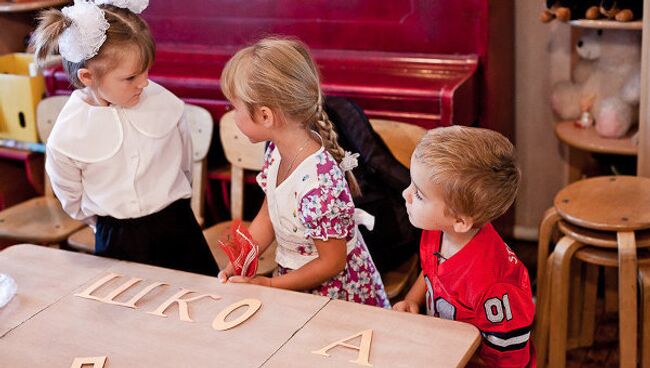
(475, 167)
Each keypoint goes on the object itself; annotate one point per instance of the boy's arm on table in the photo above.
(415, 297)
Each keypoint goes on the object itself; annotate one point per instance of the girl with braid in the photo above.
(275, 89)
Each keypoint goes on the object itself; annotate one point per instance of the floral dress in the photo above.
(314, 202)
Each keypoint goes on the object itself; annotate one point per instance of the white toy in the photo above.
(606, 82)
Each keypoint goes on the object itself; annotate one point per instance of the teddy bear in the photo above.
(606, 83)
(565, 10)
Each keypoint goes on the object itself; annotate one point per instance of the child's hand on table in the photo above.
(407, 306)
(257, 280)
(225, 275)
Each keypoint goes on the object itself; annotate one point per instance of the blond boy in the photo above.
(461, 179)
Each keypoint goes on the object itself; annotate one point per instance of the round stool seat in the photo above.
(605, 239)
(608, 258)
(610, 203)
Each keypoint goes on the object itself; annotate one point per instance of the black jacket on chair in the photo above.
(382, 179)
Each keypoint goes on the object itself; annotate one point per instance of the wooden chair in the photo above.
(40, 220)
(201, 125)
(401, 139)
(604, 213)
(242, 155)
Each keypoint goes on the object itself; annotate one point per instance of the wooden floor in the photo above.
(604, 353)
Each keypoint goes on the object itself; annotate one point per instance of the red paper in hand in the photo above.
(241, 250)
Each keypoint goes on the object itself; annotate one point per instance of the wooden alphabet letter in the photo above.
(108, 299)
(96, 362)
(182, 304)
(364, 348)
(219, 323)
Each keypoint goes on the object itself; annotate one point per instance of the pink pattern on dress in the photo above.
(327, 211)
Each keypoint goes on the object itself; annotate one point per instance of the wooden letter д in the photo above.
(97, 362)
(364, 348)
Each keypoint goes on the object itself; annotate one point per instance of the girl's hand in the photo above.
(407, 306)
(257, 280)
(225, 275)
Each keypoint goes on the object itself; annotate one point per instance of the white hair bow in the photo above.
(87, 33)
(349, 161)
(136, 6)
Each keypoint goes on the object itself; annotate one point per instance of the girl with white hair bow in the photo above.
(119, 156)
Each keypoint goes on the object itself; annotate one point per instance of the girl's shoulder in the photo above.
(327, 178)
(74, 136)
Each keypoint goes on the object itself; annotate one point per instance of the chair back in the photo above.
(401, 138)
(201, 126)
(47, 112)
(242, 155)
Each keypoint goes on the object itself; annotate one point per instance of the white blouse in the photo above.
(120, 162)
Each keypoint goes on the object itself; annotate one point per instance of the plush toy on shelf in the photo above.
(606, 82)
(565, 10)
(622, 10)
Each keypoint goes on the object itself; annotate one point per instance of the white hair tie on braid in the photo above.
(87, 33)
(349, 161)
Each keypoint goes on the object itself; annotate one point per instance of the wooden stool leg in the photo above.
(611, 290)
(564, 251)
(644, 281)
(575, 303)
(546, 227)
(588, 325)
(627, 278)
(542, 314)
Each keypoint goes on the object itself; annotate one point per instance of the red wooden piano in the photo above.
(429, 62)
(421, 61)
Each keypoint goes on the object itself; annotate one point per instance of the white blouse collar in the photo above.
(90, 133)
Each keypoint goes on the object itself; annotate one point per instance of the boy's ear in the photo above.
(463, 224)
(85, 76)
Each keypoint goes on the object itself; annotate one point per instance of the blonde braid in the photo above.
(326, 130)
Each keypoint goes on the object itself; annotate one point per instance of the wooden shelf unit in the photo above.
(607, 24)
(586, 140)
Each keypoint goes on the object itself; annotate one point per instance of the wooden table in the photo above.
(50, 321)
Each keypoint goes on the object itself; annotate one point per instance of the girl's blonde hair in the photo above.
(475, 167)
(281, 74)
(126, 29)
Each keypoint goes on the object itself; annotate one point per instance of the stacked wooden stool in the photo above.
(603, 221)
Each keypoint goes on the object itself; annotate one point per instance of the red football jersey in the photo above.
(484, 284)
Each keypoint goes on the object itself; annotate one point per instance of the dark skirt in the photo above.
(169, 238)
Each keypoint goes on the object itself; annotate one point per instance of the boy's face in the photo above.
(123, 85)
(425, 202)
